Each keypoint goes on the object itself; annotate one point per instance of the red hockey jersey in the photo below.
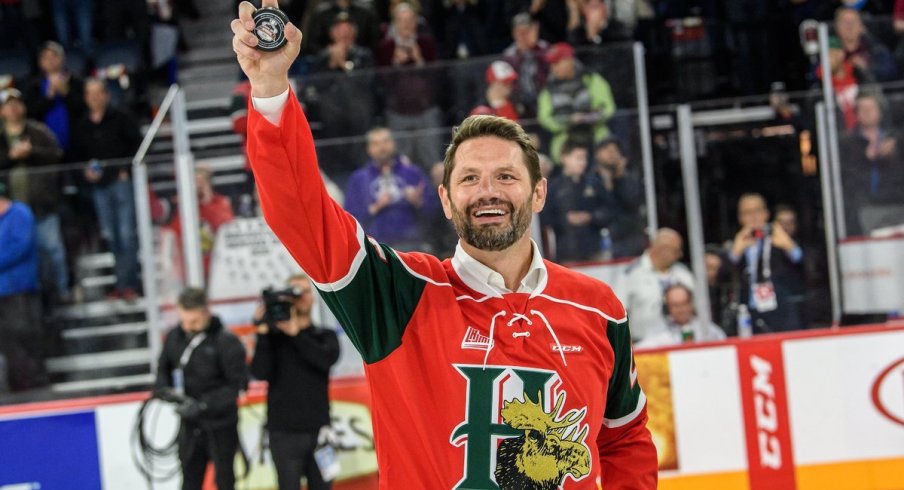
(472, 387)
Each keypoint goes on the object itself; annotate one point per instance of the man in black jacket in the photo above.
(295, 356)
(769, 264)
(104, 133)
(27, 145)
(202, 367)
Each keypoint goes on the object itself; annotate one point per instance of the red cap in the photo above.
(500, 71)
(557, 52)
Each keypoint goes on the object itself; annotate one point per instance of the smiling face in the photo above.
(489, 197)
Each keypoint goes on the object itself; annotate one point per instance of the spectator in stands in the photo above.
(575, 209)
(526, 55)
(343, 115)
(681, 325)
(214, 208)
(73, 15)
(828, 9)
(214, 211)
(551, 16)
(642, 285)
(411, 99)
(317, 30)
(623, 197)
(574, 104)
(844, 82)
(202, 369)
(769, 264)
(871, 166)
(590, 24)
(55, 95)
(464, 29)
(102, 134)
(500, 77)
(25, 146)
(386, 195)
(21, 337)
(871, 58)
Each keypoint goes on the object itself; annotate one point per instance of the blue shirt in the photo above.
(18, 252)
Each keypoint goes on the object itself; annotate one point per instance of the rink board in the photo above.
(810, 410)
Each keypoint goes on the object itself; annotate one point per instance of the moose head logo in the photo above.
(547, 451)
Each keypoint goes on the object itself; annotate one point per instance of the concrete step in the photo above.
(102, 360)
(104, 330)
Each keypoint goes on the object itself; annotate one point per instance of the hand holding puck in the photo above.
(270, 28)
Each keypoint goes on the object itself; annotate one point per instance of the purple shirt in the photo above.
(396, 223)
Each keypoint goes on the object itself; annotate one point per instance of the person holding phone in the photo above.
(767, 259)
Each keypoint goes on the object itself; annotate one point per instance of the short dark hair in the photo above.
(192, 299)
(752, 195)
(499, 127)
(781, 208)
(569, 146)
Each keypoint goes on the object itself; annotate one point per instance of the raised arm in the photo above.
(366, 285)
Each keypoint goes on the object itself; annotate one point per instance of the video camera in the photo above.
(278, 304)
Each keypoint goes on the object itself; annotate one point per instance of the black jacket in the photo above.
(42, 189)
(115, 136)
(787, 279)
(214, 374)
(298, 371)
(577, 243)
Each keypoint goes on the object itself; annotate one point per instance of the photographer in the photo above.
(294, 356)
(202, 368)
(769, 266)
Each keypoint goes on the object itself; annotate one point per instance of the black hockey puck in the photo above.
(270, 28)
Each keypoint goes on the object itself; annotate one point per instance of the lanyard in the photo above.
(186, 354)
(765, 256)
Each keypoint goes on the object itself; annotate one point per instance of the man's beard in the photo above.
(492, 237)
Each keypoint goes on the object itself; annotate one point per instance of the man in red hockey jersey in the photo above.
(492, 369)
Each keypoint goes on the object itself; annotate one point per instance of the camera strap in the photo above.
(190, 349)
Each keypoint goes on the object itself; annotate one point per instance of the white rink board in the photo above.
(829, 384)
(706, 401)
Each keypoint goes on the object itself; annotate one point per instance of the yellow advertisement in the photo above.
(655, 379)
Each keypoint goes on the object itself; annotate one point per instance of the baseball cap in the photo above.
(522, 19)
(500, 71)
(53, 46)
(558, 52)
(341, 17)
(10, 94)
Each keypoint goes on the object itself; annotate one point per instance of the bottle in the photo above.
(745, 326)
(687, 334)
(605, 244)
(246, 206)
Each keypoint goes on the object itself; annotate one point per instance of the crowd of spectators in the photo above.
(400, 72)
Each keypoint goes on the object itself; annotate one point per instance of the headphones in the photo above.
(665, 293)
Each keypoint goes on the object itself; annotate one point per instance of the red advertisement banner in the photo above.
(766, 422)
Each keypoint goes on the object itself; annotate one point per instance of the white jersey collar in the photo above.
(486, 281)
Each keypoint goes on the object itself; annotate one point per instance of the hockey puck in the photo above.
(270, 28)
